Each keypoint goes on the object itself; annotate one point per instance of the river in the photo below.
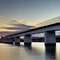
(36, 52)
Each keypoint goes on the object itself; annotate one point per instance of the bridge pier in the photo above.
(9, 41)
(17, 40)
(27, 40)
(50, 41)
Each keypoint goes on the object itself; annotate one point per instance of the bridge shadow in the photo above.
(50, 52)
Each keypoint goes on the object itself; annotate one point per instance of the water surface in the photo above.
(36, 52)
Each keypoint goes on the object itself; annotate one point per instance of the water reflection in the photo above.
(38, 51)
(50, 52)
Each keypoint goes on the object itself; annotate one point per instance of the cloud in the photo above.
(16, 28)
(4, 22)
(49, 22)
(2, 18)
(8, 22)
(8, 25)
(19, 27)
(15, 21)
(2, 29)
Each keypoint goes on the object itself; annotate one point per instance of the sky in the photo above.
(20, 15)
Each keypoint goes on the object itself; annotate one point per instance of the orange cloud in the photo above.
(15, 21)
(6, 30)
(6, 22)
(13, 25)
(2, 17)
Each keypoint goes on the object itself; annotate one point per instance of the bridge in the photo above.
(47, 29)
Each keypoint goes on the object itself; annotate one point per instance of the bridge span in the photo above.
(49, 31)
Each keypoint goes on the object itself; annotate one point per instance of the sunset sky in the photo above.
(19, 15)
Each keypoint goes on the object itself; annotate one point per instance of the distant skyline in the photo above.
(22, 13)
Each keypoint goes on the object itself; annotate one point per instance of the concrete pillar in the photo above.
(1, 40)
(17, 40)
(5, 40)
(27, 40)
(9, 41)
(50, 41)
(50, 38)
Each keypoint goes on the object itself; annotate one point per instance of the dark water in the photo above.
(37, 52)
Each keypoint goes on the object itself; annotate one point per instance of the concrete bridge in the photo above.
(49, 31)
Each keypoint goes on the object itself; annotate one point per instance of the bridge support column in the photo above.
(27, 40)
(50, 41)
(9, 41)
(17, 40)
